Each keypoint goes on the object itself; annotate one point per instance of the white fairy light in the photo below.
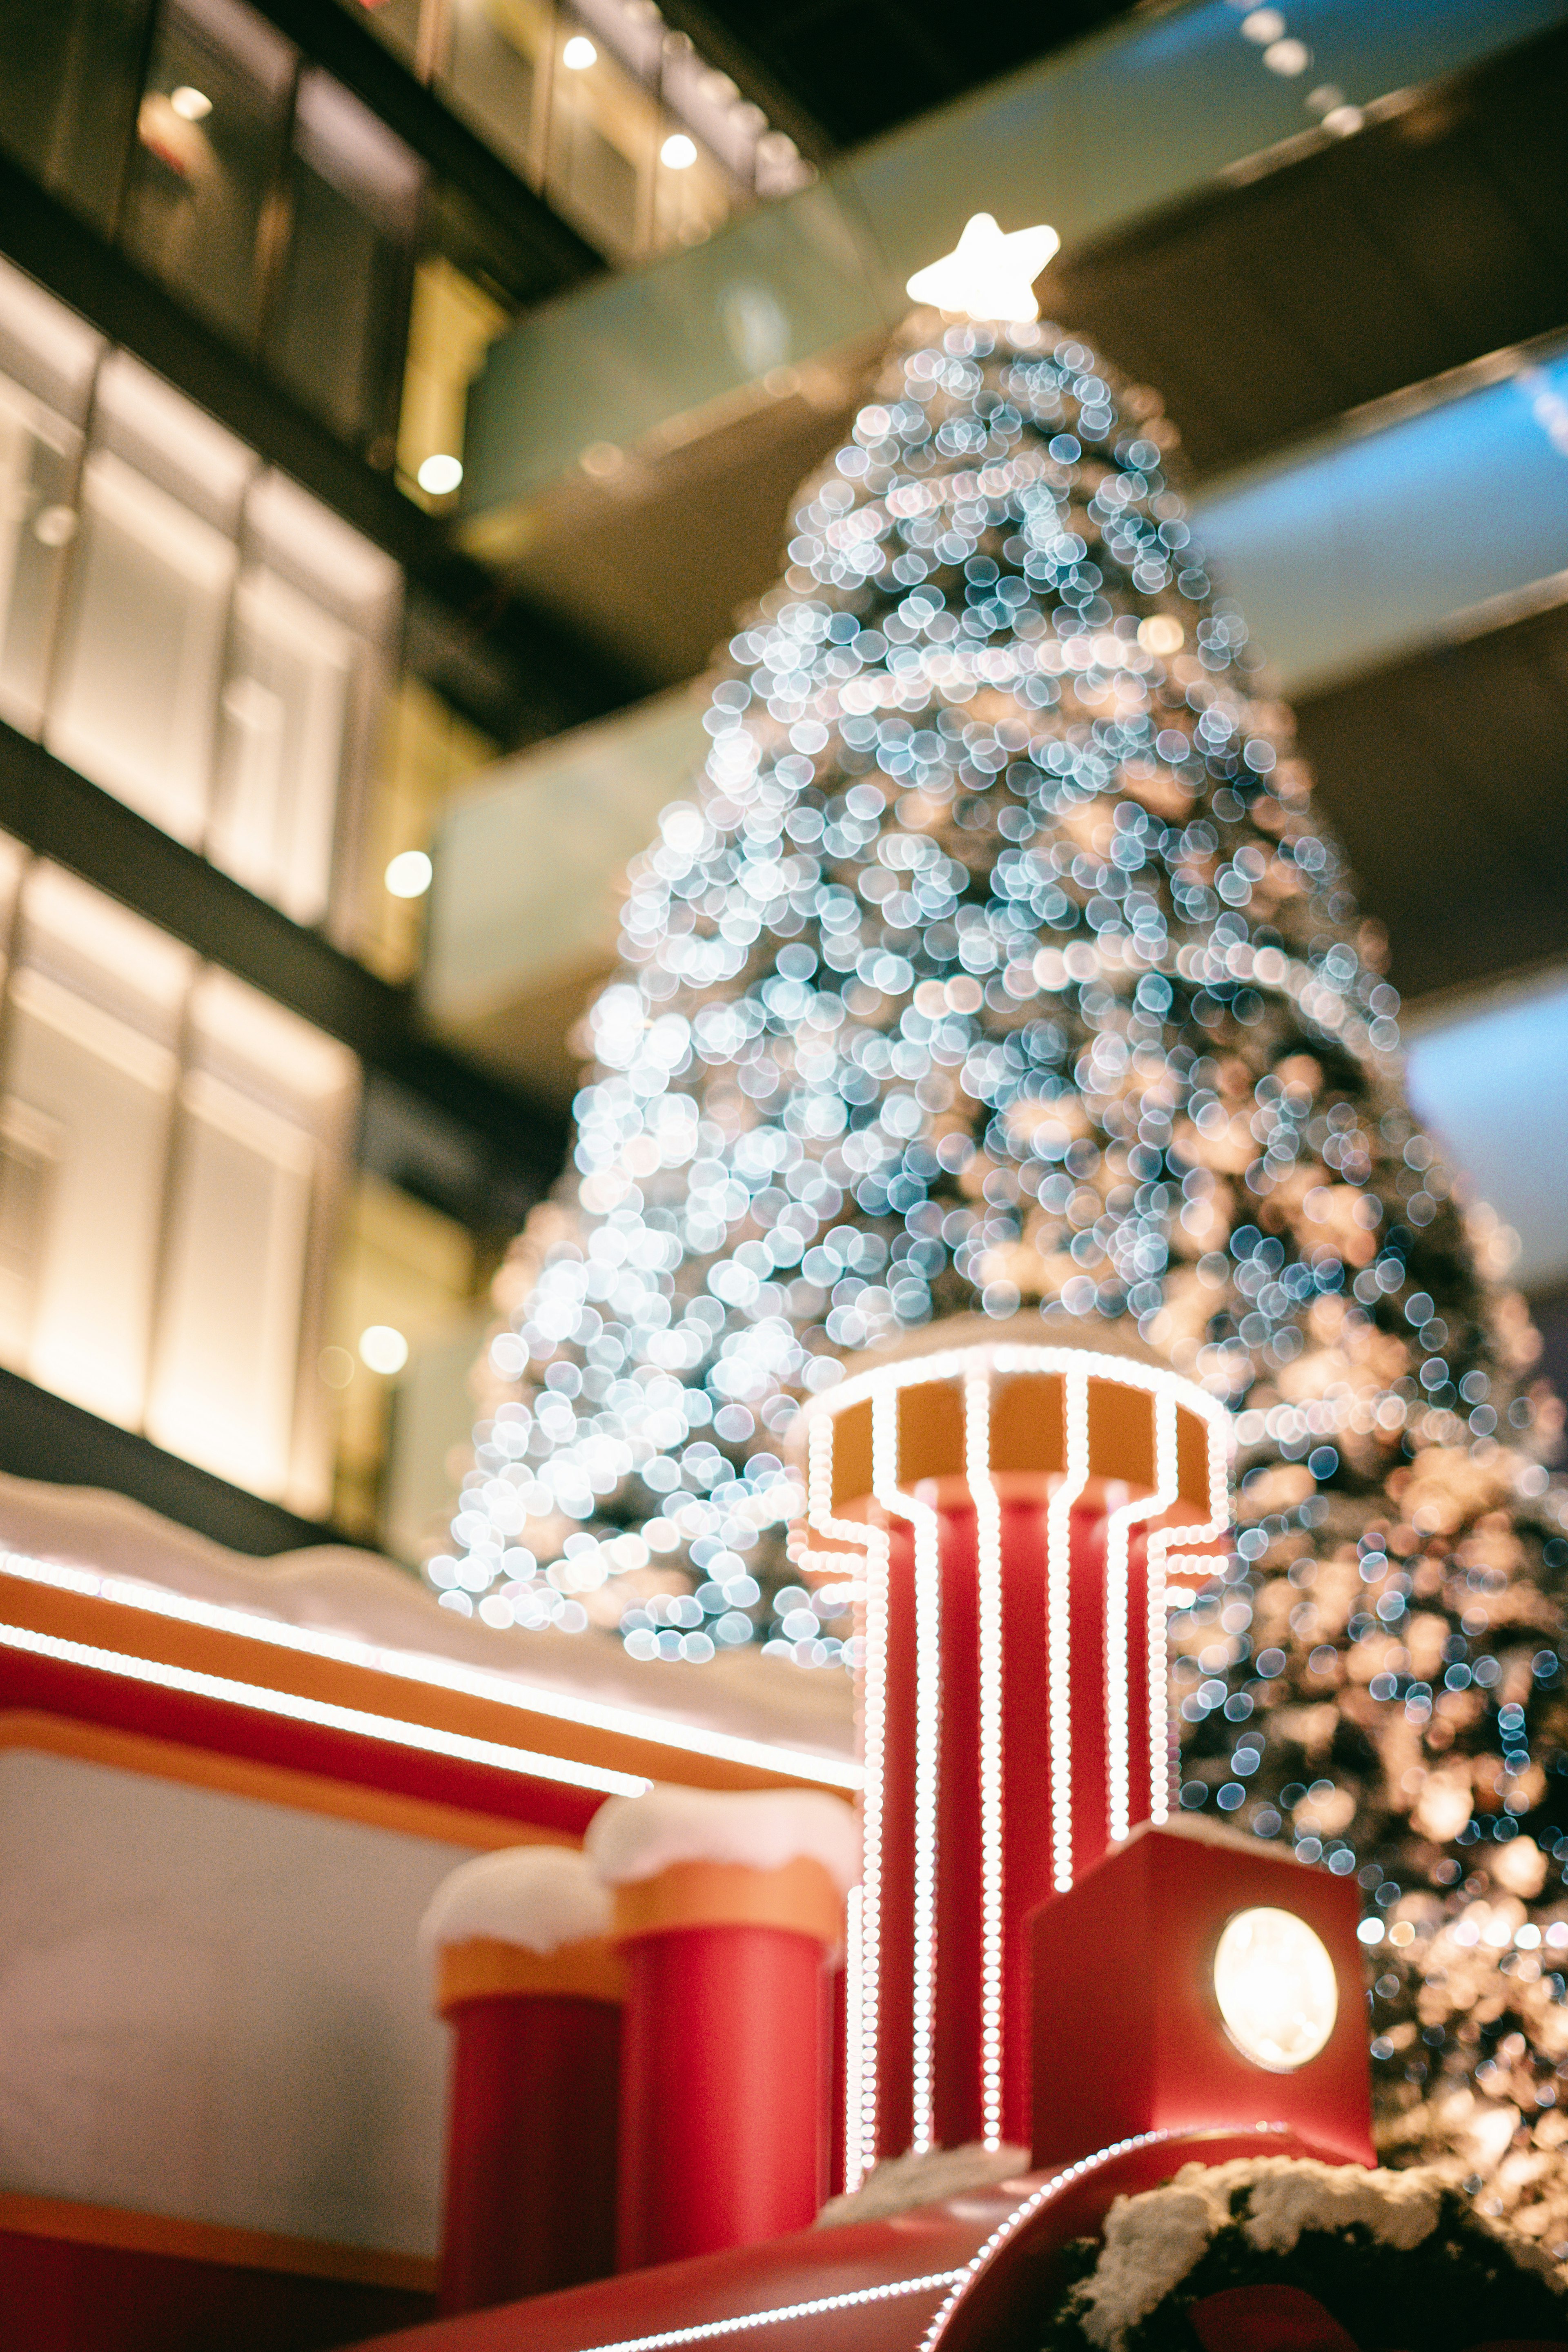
(1059, 1619)
(706, 2331)
(1024, 2213)
(989, 1597)
(1118, 1524)
(926, 1528)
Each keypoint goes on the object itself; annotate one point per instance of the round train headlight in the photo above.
(1274, 1982)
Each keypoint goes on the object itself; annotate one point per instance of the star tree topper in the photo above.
(989, 273)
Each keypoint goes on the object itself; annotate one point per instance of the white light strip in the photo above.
(988, 1574)
(863, 1986)
(1163, 1556)
(439, 1673)
(1119, 1526)
(854, 1998)
(294, 1709)
(926, 1528)
(1026, 1356)
(863, 2095)
(1025, 2209)
(1058, 1617)
(707, 2330)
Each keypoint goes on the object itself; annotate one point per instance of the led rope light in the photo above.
(864, 1958)
(324, 1713)
(988, 1570)
(926, 1528)
(854, 1997)
(1059, 1619)
(473, 1682)
(873, 1742)
(1119, 1527)
(1162, 1556)
(705, 2331)
(1027, 2207)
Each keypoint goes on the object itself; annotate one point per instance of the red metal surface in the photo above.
(531, 2147)
(969, 2275)
(1017, 2276)
(1128, 2035)
(58, 2296)
(1026, 1827)
(82, 1695)
(725, 2090)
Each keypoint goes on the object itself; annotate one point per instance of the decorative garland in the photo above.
(1283, 2254)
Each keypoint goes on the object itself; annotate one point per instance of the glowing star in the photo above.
(989, 275)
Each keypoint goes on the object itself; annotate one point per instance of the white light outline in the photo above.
(1162, 1557)
(881, 1382)
(1119, 1526)
(704, 2331)
(1027, 2207)
(863, 1985)
(439, 1673)
(926, 1528)
(988, 1578)
(1058, 1617)
(391, 1729)
(854, 2062)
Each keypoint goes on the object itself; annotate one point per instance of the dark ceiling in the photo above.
(835, 72)
(1446, 777)
(1264, 311)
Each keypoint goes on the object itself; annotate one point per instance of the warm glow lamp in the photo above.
(1195, 1978)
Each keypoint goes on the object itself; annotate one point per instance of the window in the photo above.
(426, 752)
(143, 646)
(96, 996)
(169, 1150)
(342, 306)
(190, 631)
(280, 742)
(209, 140)
(604, 129)
(261, 1113)
(497, 73)
(68, 94)
(38, 459)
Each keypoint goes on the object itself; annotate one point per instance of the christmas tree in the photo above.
(997, 963)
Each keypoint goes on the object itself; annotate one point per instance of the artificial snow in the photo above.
(633, 1838)
(904, 2183)
(540, 1896)
(1153, 2240)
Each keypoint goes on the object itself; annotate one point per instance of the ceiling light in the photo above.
(1263, 26)
(381, 1348)
(190, 105)
(1274, 1981)
(409, 874)
(677, 154)
(1343, 121)
(440, 475)
(1289, 56)
(579, 53)
(989, 273)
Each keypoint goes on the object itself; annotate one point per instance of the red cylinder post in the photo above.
(530, 2146)
(534, 2004)
(724, 2119)
(725, 2076)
